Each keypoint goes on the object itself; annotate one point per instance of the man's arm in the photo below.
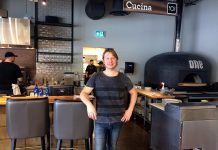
(128, 113)
(84, 96)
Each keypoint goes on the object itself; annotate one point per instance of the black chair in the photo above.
(28, 118)
(71, 122)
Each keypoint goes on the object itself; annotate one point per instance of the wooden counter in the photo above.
(153, 94)
(51, 99)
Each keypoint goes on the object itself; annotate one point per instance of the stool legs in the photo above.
(71, 143)
(43, 142)
(87, 144)
(13, 144)
(90, 142)
(59, 144)
(48, 141)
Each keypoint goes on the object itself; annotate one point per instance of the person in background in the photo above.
(10, 73)
(90, 70)
(110, 88)
(101, 66)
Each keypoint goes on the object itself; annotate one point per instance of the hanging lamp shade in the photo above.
(94, 10)
(98, 1)
(117, 8)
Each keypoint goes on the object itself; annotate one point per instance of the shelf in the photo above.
(54, 53)
(47, 36)
(55, 38)
(54, 62)
(55, 24)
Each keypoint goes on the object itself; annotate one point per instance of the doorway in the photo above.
(92, 53)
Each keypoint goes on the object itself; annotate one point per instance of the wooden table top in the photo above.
(153, 94)
(51, 99)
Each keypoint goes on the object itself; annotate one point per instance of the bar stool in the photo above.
(71, 122)
(28, 118)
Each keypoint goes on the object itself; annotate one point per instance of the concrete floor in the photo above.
(133, 137)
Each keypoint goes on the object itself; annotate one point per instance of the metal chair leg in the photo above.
(91, 142)
(13, 144)
(87, 144)
(43, 142)
(71, 143)
(59, 144)
(48, 141)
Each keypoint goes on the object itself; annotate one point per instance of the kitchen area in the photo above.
(173, 53)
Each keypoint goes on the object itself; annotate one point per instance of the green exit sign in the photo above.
(99, 34)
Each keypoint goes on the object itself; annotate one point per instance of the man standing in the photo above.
(110, 89)
(101, 66)
(10, 73)
(90, 70)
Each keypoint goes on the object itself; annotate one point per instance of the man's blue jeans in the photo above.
(106, 135)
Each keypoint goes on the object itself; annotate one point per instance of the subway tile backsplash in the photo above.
(52, 70)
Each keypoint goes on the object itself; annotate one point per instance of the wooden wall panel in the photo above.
(26, 58)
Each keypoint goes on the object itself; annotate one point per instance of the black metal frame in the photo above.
(36, 37)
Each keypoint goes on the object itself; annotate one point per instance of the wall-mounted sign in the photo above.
(99, 34)
(162, 7)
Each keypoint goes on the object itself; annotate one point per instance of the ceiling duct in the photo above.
(117, 8)
(14, 31)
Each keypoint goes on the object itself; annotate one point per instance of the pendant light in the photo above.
(44, 2)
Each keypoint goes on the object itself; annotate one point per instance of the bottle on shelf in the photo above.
(36, 90)
(47, 91)
(41, 91)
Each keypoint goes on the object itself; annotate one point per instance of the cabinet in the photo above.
(53, 41)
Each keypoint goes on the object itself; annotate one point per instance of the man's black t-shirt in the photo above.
(91, 69)
(9, 74)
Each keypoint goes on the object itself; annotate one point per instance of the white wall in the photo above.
(200, 30)
(138, 36)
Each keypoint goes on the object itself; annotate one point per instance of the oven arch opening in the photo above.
(192, 78)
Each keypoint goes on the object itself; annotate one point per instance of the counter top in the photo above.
(153, 94)
(158, 105)
(51, 99)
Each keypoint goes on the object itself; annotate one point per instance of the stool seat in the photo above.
(71, 122)
(27, 118)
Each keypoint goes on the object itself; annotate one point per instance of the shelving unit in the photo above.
(53, 41)
(142, 108)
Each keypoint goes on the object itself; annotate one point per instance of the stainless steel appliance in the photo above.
(185, 126)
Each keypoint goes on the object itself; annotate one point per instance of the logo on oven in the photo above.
(196, 64)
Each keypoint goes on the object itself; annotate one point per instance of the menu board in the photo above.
(162, 7)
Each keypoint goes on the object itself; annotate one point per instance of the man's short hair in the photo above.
(10, 54)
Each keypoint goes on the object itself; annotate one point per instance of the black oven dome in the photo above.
(174, 67)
